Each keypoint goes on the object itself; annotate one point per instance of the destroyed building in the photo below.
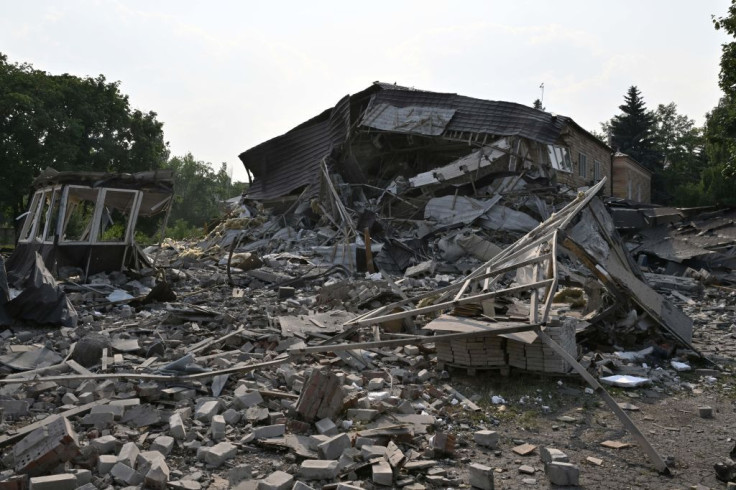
(88, 219)
(409, 140)
(397, 304)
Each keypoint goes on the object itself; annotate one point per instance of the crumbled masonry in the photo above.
(439, 326)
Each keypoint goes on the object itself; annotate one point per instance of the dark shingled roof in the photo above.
(291, 161)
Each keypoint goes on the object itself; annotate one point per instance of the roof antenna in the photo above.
(542, 98)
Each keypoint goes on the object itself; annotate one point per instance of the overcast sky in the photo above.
(224, 76)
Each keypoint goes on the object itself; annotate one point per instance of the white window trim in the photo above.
(97, 215)
(559, 158)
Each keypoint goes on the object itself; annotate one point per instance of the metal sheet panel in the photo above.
(430, 121)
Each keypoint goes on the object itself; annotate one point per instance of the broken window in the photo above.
(79, 214)
(115, 215)
(53, 216)
(582, 165)
(27, 230)
(559, 158)
(43, 211)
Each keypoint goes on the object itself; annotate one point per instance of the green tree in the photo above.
(681, 146)
(632, 131)
(538, 105)
(69, 123)
(199, 191)
(721, 126)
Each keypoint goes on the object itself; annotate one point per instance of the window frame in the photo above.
(582, 165)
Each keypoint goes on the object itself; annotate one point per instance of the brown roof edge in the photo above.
(619, 154)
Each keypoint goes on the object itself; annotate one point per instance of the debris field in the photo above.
(484, 328)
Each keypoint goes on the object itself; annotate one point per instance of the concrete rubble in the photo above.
(331, 343)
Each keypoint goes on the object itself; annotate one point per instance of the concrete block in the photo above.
(126, 402)
(481, 476)
(369, 451)
(129, 454)
(486, 438)
(333, 447)
(219, 453)
(116, 410)
(98, 420)
(278, 480)
(83, 476)
(705, 412)
(424, 375)
(69, 399)
(86, 397)
(318, 469)
(231, 416)
(106, 444)
(105, 463)
(552, 455)
(147, 459)
(158, 475)
(425, 268)
(176, 427)
(218, 427)
(269, 431)
(562, 474)
(383, 474)
(361, 441)
(375, 384)
(326, 427)
(62, 481)
(411, 350)
(163, 444)
(124, 474)
(362, 414)
(207, 410)
(246, 399)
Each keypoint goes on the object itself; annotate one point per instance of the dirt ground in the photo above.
(577, 423)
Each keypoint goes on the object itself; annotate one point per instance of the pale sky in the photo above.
(224, 76)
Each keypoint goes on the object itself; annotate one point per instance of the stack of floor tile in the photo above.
(537, 356)
(485, 351)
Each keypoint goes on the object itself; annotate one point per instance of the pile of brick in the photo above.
(539, 357)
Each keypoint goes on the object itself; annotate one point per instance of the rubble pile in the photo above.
(429, 326)
(272, 382)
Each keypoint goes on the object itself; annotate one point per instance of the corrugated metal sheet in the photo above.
(457, 209)
(291, 161)
(480, 116)
(430, 121)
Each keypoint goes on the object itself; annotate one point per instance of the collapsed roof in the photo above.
(290, 163)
